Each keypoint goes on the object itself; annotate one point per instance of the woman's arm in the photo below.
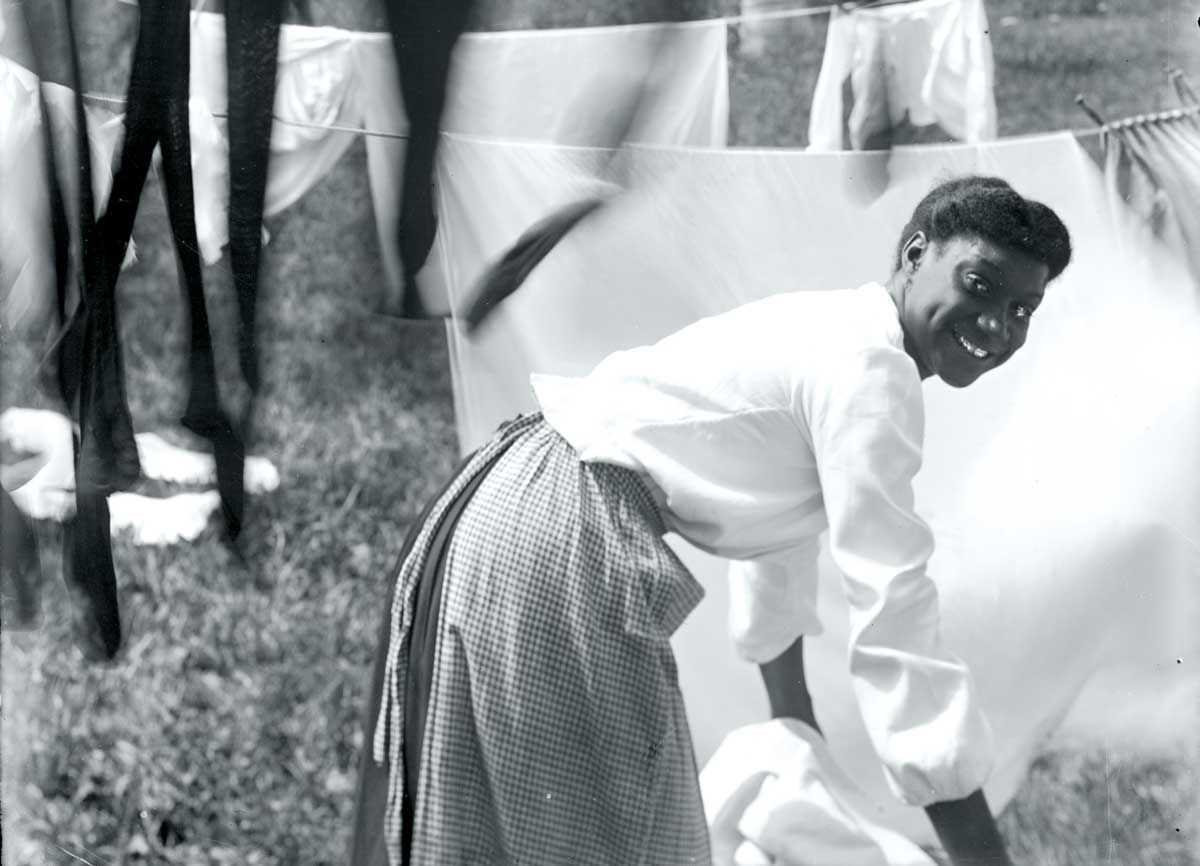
(966, 828)
(968, 831)
(916, 698)
(786, 687)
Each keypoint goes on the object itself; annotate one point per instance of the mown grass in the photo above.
(229, 731)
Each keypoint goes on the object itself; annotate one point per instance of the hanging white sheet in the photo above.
(569, 86)
(909, 68)
(564, 86)
(1060, 488)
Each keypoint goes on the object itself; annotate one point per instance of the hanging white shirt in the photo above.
(757, 430)
(912, 68)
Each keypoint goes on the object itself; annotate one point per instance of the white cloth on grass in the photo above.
(50, 493)
(773, 790)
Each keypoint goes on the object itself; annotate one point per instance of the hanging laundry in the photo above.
(907, 73)
(157, 115)
(1152, 168)
(1060, 425)
(27, 277)
(671, 86)
(89, 366)
(316, 86)
(27, 263)
(251, 50)
(623, 120)
(88, 352)
(424, 33)
(562, 85)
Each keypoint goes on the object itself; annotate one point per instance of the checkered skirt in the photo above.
(556, 731)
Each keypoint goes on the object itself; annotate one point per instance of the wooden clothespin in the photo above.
(1089, 111)
(1183, 88)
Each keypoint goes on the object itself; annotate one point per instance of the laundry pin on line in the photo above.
(1183, 88)
(1162, 117)
(1089, 111)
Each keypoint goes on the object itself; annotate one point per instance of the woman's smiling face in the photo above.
(965, 304)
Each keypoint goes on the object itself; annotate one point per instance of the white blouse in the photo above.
(759, 429)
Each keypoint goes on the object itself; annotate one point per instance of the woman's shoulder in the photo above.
(830, 329)
(865, 309)
(851, 350)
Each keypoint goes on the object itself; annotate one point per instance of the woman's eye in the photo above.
(1024, 311)
(976, 285)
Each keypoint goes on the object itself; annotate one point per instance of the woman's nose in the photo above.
(992, 325)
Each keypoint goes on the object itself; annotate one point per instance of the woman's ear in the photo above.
(913, 251)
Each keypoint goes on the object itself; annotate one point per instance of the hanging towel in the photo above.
(902, 74)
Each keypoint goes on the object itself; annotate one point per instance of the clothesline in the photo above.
(376, 133)
(1171, 114)
(743, 17)
(332, 127)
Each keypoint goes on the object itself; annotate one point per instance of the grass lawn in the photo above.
(229, 731)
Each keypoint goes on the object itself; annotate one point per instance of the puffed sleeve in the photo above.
(917, 699)
(773, 601)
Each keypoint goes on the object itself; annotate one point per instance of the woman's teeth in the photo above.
(971, 347)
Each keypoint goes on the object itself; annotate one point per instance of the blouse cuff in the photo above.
(932, 750)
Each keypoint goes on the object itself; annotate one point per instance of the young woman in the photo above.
(525, 708)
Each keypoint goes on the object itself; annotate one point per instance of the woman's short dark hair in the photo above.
(990, 209)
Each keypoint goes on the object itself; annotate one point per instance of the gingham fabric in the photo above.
(556, 732)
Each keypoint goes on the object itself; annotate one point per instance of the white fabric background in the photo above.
(1060, 488)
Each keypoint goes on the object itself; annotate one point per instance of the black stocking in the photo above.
(252, 49)
(424, 33)
(89, 368)
(157, 115)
